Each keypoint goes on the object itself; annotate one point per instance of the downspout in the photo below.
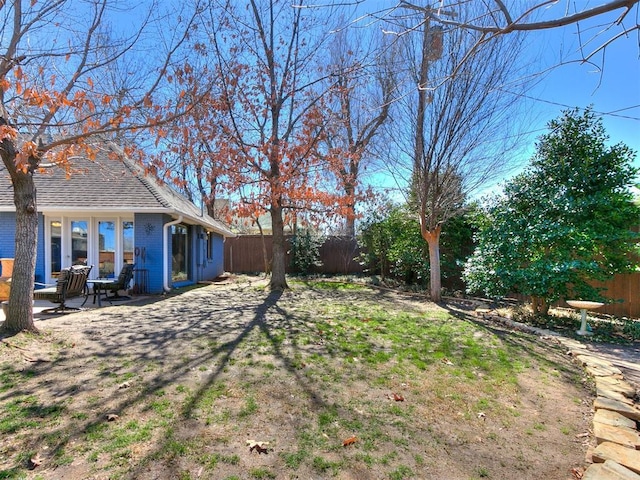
(165, 250)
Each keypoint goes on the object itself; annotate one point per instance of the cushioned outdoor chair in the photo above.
(6, 270)
(71, 283)
(121, 283)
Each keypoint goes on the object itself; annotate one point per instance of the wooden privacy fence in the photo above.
(623, 290)
(243, 254)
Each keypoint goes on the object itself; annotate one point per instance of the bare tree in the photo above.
(267, 56)
(497, 17)
(458, 137)
(361, 91)
(57, 96)
(190, 154)
(492, 18)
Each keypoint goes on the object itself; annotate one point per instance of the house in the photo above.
(225, 208)
(109, 212)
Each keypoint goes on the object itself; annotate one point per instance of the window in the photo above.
(106, 249)
(127, 241)
(209, 245)
(56, 247)
(180, 253)
(79, 232)
(103, 242)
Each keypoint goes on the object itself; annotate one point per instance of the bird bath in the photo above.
(583, 306)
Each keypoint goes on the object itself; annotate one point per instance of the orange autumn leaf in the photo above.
(30, 149)
(349, 441)
(398, 398)
(8, 133)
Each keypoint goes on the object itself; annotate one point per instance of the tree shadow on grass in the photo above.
(117, 342)
(128, 360)
(541, 348)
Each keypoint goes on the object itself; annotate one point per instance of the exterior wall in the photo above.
(7, 234)
(148, 241)
(41, 275)
(148, 248)
(213, 267)
(201, 267)
(8, 241)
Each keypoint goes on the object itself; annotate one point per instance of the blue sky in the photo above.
(610, 83)
(612, 86)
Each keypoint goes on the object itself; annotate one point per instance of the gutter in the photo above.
(165, 250)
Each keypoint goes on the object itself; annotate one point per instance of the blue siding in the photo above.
(209, 268)
(8, 241)
(215, 265)
(7, 234)
(148, 247)
(40, 259)
(148, 252)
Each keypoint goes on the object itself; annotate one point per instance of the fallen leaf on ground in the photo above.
(398, 398)
(34, 462)
(446, 361)
(349, 441)
(260, 447)
(577, 473)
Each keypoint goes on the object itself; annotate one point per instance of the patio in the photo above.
(40, 305)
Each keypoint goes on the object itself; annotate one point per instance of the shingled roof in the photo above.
(108, 184)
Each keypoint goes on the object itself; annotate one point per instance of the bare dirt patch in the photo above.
(329, 381)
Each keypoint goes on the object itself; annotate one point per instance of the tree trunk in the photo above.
(350, 226)
(278, 259)
(20, 310)
(423, 101)
(350, 217)
(539, 306)
(433, 239)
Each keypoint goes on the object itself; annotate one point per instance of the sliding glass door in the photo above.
(180, 253)
(106, 248)
(79, 236)
(105, 243)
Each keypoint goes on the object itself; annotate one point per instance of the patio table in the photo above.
(99, 286)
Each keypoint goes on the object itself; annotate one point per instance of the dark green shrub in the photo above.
(305, 251)
(394, 248)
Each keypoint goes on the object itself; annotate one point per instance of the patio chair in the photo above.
(121, 283)
(6, 270)
(71, 283)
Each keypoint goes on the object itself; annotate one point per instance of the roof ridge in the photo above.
(139, 173)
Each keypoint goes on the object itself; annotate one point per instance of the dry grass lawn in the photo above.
(326, 380)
